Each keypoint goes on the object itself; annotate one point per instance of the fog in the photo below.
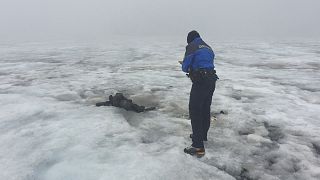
(35, 20)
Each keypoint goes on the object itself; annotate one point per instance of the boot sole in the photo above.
(197, 154)
(200, 154)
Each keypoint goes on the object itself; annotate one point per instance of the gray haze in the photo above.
(33, 20)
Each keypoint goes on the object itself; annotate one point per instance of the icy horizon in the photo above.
(152, 39)
(50, 128)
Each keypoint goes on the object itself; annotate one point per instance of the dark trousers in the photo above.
(199, 109)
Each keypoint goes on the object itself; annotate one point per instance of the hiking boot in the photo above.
(199, 152)
(204, 139)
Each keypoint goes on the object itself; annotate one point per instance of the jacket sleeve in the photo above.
(186, 63)
(188, 56)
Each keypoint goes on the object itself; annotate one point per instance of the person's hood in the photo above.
(192, 36)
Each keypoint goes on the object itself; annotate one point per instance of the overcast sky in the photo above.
(103, 19)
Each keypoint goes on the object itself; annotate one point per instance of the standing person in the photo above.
(199, 64)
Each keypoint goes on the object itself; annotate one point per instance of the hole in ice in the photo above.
(316, 147)
(275, 133)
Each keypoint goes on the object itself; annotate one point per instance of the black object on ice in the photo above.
(120, 101)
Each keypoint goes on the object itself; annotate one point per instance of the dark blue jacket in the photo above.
(198, 56)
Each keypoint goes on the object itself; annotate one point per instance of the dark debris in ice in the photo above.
(316, 147)
(244, 175)
(275, 133)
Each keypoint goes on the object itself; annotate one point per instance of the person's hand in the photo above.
(180, 62)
